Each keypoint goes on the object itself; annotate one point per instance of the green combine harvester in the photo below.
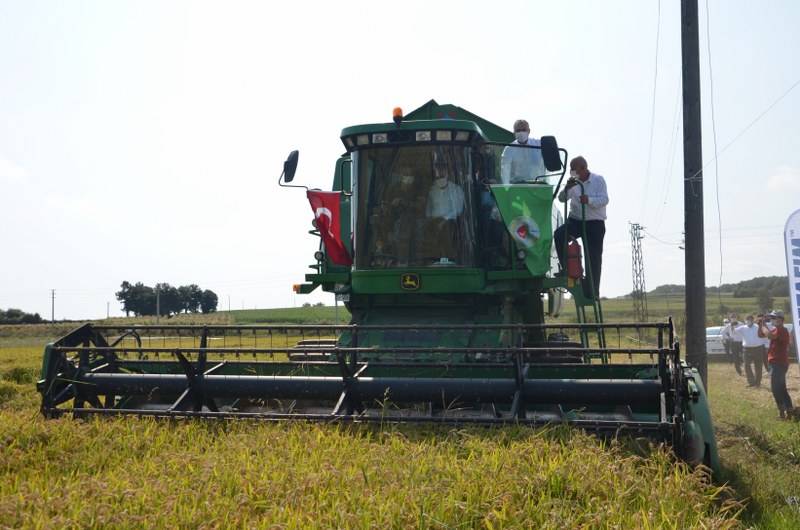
(437, 235)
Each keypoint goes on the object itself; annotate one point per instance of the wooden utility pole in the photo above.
(693, 192)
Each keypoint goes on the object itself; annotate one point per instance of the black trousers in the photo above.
(778, 384)
(595, 233)
(736, 353)
(753, 359)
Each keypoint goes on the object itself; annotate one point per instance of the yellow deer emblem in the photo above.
(409, 282)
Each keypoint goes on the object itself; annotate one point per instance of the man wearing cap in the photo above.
(753, 347)
(521, 164)
(778, 358)
(588, 197)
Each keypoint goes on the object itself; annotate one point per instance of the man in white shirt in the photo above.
(726, 337)
(521, 164)
(445, 200)
(445, 205)
(753, 351)
(736, 345)
(592, 200)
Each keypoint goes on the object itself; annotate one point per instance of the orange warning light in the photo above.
(397, 115)
(296, 288)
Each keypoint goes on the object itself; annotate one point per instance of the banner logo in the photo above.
(525, 231)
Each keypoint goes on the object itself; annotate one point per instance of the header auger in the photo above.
(439, 241)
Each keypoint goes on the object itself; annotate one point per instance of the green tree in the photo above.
(764, 298)
(190, 296)
(169, 299)
(208, 301)
(124, 296)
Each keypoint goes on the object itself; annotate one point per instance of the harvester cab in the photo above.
(437, 233)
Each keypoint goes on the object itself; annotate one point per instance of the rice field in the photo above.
(144, 473)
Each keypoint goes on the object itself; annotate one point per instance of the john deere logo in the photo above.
(409, 281)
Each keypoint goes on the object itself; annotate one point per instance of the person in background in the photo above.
(726, 337)
(778, 358)
(764, 340)
(753, 351)
(593, 197)
(521, 164)
(736, 345)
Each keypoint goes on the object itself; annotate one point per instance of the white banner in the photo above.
(791, 237)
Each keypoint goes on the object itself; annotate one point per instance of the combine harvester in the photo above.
(448, 275)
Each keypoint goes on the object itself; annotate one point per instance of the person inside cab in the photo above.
(445, 204)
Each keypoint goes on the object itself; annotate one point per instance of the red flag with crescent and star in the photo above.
(325, 205)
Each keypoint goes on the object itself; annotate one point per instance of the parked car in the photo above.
(714, 347)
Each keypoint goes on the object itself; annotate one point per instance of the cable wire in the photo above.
(653, 110)
(716, 155)
(747, 128)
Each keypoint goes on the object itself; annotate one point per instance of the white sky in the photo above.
(142, 141)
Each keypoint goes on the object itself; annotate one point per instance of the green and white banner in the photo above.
(527, 213)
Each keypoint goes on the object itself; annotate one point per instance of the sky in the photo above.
(142, 141)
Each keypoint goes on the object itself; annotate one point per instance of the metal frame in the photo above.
(90, 363)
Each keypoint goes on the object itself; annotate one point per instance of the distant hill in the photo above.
(774, 285)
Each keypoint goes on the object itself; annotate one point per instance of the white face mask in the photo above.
(573, 174)
(441, 182)
(522, 137)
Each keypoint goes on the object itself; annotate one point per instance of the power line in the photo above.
(747, 128)
(661, 240)
(714, 135)
(670, 155)
(653, 109)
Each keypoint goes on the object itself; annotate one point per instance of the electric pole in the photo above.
(108, 309)
(693, 192)
(158, 303)
(52, 305)
(639, 293)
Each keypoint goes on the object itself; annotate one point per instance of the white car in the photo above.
(714, 341)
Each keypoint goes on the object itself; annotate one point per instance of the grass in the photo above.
(134, 473)
(760, 454)
(292, 315)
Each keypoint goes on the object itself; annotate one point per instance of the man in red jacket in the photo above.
(778, 358)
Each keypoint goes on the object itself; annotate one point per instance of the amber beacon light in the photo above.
(397, 115)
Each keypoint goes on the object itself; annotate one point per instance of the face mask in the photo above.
(522, 137)
(441, 182)
(749, 322)
(573, 174)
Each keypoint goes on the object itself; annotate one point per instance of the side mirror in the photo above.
(290, 166)
(550, 154)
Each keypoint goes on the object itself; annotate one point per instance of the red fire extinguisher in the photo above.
(574, 262)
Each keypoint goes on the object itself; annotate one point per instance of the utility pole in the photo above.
(158, 303)
(693, 192)
(52, 305)
(639, 293)
(229, 303)
(108, 309)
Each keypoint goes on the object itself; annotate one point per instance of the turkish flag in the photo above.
(325, 205)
